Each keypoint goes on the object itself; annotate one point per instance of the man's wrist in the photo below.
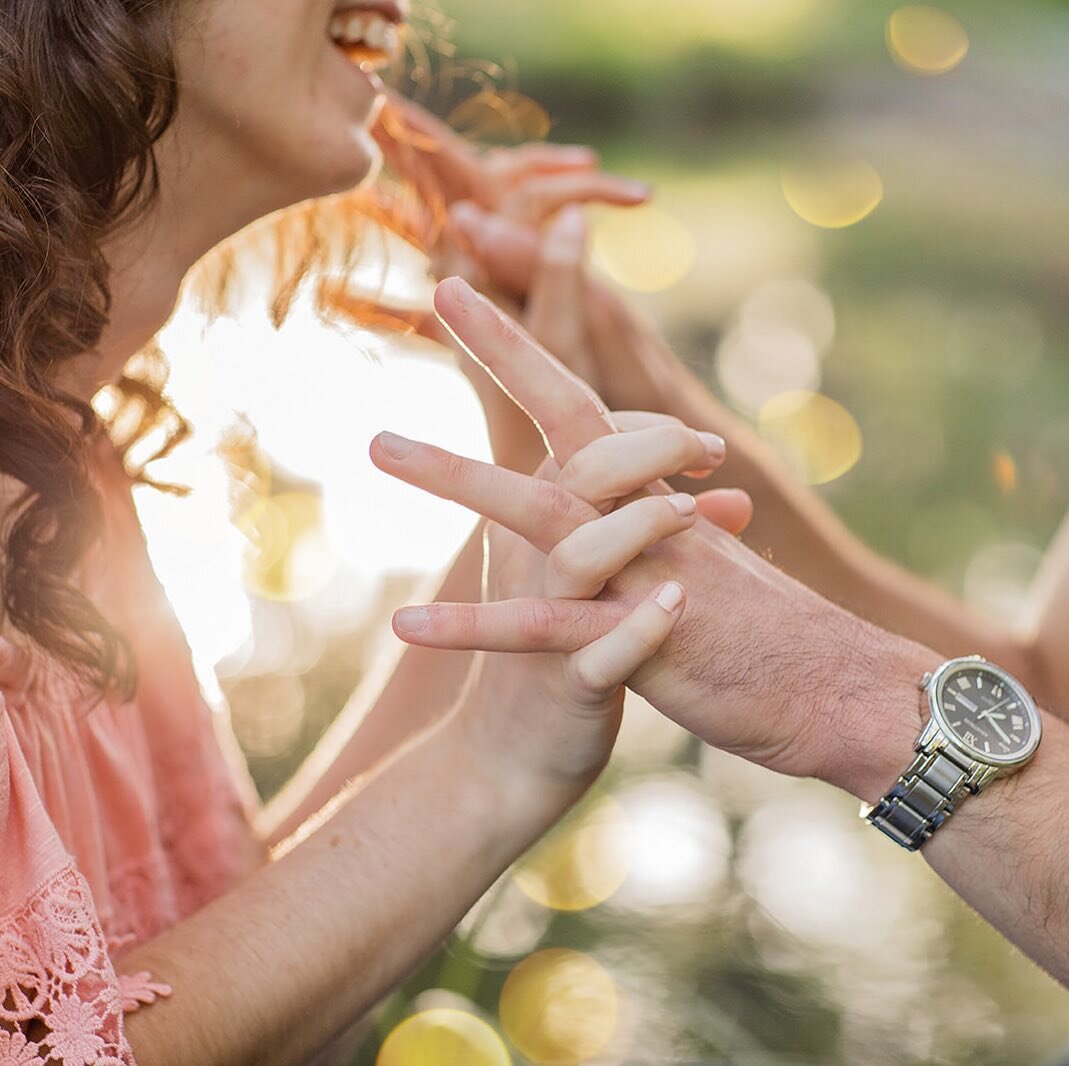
(877, 711)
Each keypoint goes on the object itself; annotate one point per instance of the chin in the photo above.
(358, 164)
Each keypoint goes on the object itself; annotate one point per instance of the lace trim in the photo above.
(59, 994)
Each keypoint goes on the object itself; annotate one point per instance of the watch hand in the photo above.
(1001, 732)
(991, 710)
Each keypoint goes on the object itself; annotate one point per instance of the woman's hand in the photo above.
(598, 335)
(553, 542)
(528, 183)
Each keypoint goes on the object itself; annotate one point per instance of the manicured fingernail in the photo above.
(669, 596)
(411, 619)
(395, 446)
(684, 503)
(467, 216)
(714, 446)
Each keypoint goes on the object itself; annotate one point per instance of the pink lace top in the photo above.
(116, 821)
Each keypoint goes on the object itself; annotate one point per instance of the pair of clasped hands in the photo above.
(598, 573)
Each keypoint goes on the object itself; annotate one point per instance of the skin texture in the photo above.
(763, 666)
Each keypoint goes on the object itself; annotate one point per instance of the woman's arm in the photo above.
(396, 701)
(271, 972)
(289, 958)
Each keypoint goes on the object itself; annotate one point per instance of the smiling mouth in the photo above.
(370, 35)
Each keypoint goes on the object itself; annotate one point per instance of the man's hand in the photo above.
(759, 665)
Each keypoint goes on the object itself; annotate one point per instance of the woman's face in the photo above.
(266, 91)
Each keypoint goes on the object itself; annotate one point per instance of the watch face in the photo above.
(986, 712)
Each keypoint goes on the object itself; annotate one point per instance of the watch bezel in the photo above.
(951, 669)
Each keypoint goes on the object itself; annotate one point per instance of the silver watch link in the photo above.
(983, 725)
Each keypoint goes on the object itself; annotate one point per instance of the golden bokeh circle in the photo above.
(813, 433)
(833, 192)
(443, 1036)
(559, 1007)
(579, 865)
(645, 249)
(926, 40)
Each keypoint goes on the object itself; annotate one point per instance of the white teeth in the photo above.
(365, 27)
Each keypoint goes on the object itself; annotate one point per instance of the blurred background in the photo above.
(857, 202)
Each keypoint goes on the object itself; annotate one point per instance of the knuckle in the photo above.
(552, 502)
(589, 675)
(566, 566)
(539, 622)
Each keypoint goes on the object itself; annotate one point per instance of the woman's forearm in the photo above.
(275, 969)
(407, 695)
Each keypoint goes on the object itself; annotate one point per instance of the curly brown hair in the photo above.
(86, 90)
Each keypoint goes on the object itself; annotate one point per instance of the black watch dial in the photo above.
(987, 713)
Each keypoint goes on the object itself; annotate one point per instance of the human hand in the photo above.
(585, 325)
(528, 183)
(758, 665)
(552, 543)
(600, 336)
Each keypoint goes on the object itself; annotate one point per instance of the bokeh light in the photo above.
(999, 577)
(796, 304)
(443, 1036)
(559, 1007)
(818, 437)
(758, 360)
(645, 249)
(678, 843)
(581, 863)
(833, 192)
(290, 557)
(926, 40)
(805, 857)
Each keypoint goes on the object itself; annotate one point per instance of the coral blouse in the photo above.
(116, 821)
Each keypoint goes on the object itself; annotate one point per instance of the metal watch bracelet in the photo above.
(922, 798)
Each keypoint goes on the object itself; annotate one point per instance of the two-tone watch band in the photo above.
(922, 799)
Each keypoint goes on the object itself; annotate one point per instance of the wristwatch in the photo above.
(983, 725)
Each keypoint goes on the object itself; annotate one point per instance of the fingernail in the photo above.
(684, 503)
(669, 596)
(411, 619)
(395, 446)
(714, 446)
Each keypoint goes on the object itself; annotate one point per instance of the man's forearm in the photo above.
(1004, 851)
(800, 534)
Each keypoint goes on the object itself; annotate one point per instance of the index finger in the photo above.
(566, 411)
